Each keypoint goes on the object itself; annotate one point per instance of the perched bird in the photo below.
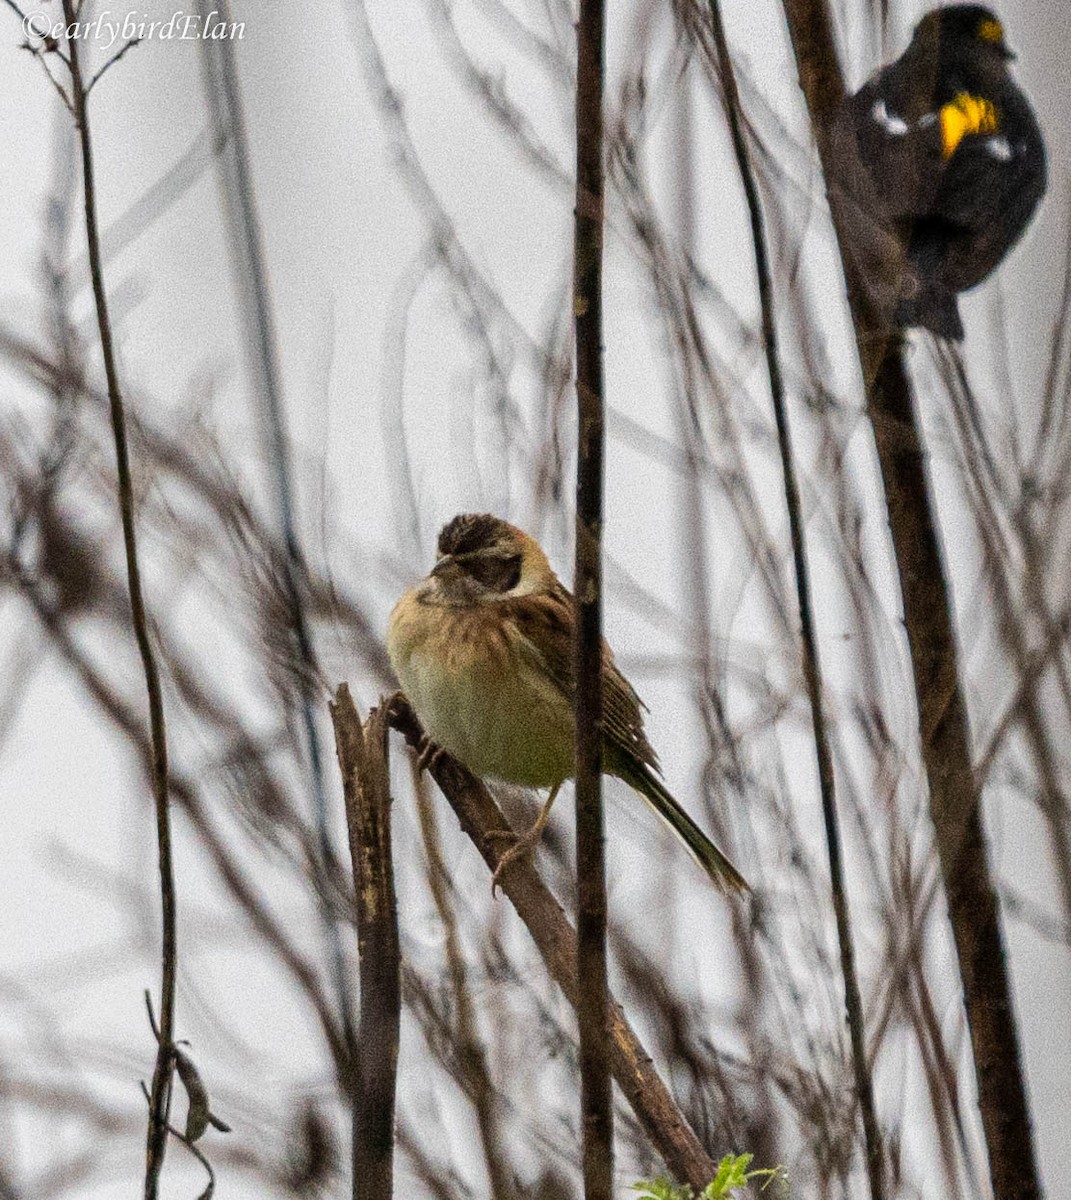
(483, 650)
(940, 164)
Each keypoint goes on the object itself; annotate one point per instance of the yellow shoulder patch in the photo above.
(966, 114)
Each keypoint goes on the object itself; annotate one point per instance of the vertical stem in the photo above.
(955, 796)
(812, 671)
(160, 1094)
(596, 1094)
(362, 758)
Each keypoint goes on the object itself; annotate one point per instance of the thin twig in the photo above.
(190, 1145)
(111, 63)
(596, 1096)
(40, 56)
(812, 670)
(162, 1074)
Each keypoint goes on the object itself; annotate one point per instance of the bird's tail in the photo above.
(724, 876)
(934, 309)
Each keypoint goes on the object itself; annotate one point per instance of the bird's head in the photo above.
(483, 559)
(960, 32)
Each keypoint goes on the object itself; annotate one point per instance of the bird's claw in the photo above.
(501, 835)
(428, 755)
(524, 843)
(523, 846)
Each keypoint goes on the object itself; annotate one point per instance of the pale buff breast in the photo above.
(477, 697)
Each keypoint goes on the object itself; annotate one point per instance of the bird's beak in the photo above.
(446, 568)
(1007, 53)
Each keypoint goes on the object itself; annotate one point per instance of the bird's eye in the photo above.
(991, 31)
(499, 573)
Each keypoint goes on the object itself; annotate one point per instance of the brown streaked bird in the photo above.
(483, 649)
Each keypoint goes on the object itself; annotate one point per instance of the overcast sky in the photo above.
(346, 247)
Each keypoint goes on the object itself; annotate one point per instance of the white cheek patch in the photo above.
(526, 586)
(1000, 148)
(533, 580)
(890, 122)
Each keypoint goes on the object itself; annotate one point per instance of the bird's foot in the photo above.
(524, 843)
(429, 755)
(501, 835)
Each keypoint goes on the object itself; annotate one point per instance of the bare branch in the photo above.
(362, 759)
(162, 1074)
(111, 63)
(38, 54)
(482, 819)
(596, 1099)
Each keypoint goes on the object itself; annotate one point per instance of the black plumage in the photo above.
(940, 165)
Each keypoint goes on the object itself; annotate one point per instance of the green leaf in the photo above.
(734, 1174)
(662, 1188)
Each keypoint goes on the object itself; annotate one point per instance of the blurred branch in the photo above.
(362, 759)
(186, 794)
(1012, 629)
(942, 710)
(489, 90)
(160, 1099)
(596, 1095)
(672, 279)
(229, 133)
(481, 819)
(812, 670)
(471, 1064)
(487, 319)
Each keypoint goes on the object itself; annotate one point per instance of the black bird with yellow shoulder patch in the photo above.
(941, 165)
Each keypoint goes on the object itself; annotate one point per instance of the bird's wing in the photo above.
(544, 625)
(899, 150)
(970, 195)
(999, 176)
